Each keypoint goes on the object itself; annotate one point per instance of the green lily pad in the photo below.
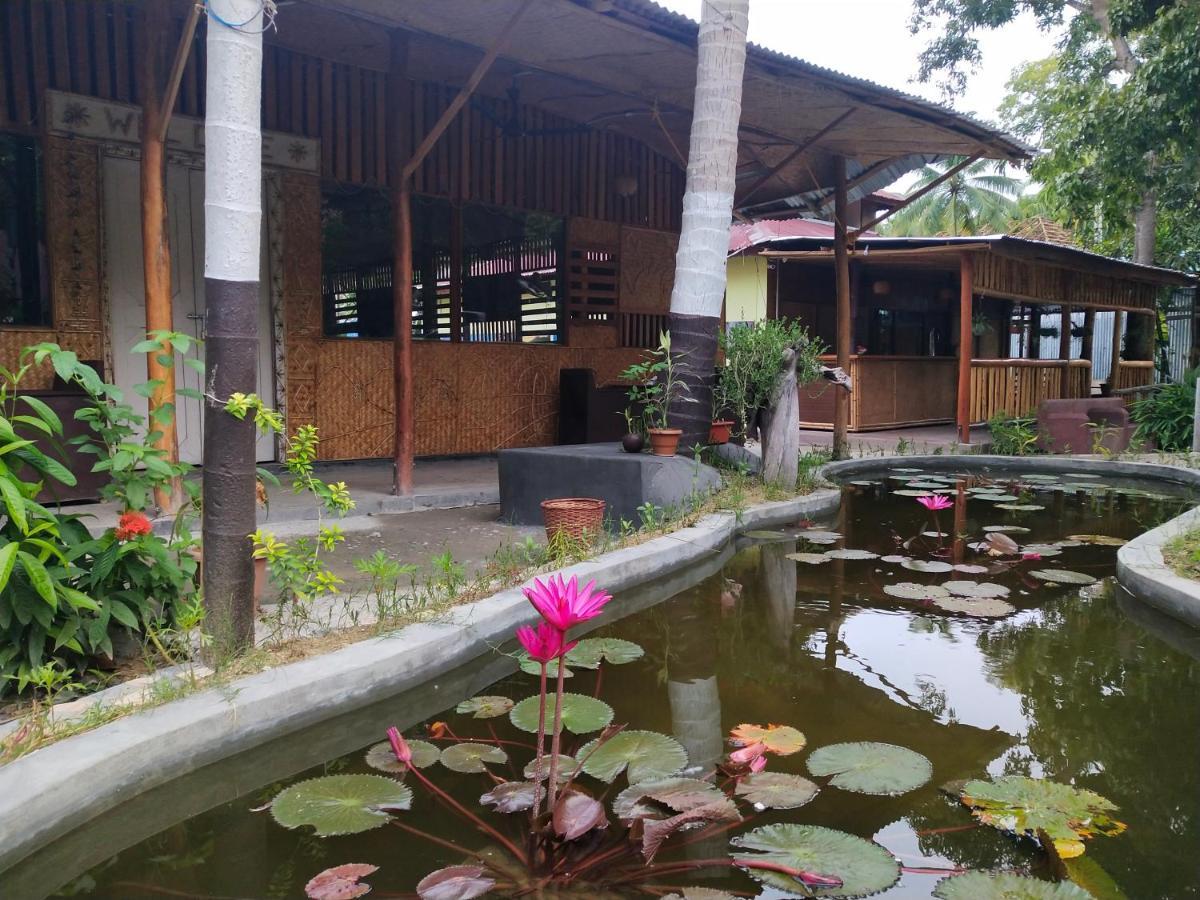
(977, 589)
(863, 483)
(907, 590)
(580, 714)
(511, 796)
(699, 893)
(590, 652)
(852, 554)
(818, 536)
(485, 707)
(1067, 815)
(1062, 576)
(934, 534)
(643, 755)
(894, 558)
(983, 607)
(776, 790)
(1006, 886)
(926, 485)
(764, 535)
(470, 758)
(931, 566)
(539, 769)
(1019, 507)
(1007, 529)
(905, 492)
(813, 559)
(998, 498)
(677, 794)
(1101, 540)
(381, 756)
(970, 569)
(862, 867)
(533, 667)
(869, 767)
(1042, 549)
(340, 804)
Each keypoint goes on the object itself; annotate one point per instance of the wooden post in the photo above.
(456, 271)
(1114, 373)
(402, 287)
(156, 247)
(1064, 336)
(841, 264)
(965, 301)
(1089, 323)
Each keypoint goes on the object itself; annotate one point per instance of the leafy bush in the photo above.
(1165, 416)
(754, 360)
(655, 385)
(1013, 435)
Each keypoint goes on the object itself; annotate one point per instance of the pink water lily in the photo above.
(399, 746)
(563, 604)
(543, 644)
(748, 754)
(1030, 555)
(935, 502)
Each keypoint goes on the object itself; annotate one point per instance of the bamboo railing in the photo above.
(1018, 386)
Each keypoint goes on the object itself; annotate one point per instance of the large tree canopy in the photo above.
(981, 199)
(1116, 109)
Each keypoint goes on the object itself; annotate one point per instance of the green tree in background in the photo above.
(981, 199)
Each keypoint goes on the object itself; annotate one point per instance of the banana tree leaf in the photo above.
(869, 767)
(340, 804)
(580, 714)
(862, 867)
(642, 755)
(776, 790)
(382, 757)
(471, 758)
(1005, 886)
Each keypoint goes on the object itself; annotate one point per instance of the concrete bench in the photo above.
(1084, 425)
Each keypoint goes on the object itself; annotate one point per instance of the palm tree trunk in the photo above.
(699, 288)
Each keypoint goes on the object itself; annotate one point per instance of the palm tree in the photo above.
(981, 199)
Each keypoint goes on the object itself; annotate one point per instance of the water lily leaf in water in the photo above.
(907, 590)
(1066, 815)
(539, 769)
(340, 882)
(1001, 544)
(655, 831)
(813, 559)
(863, 483)
(852, 554)
(1102, 540)
(575, 814)
(643, 755)
(340, 804)
(860, 867)
(580, 715)
(510, 796)
(934, 534)
(976, 589)
(485, 707)
(590, 652)
(468, 758)
(987, 607)
(764, 535)
(1080, 475)
(455, 883)
(970, 569)
(1062, 576)
(819, 537)
(905, 492)
(1042, 549)
(1006, 886)
(927, 565)
(1006, 529)
(998, 498)
(382, 757)
(782, 739)
(677, 794)
(699, 893)
(894, 558)
(535, 668)
(926, 485)
(1019, 507)
(870, 767)
(776, 790)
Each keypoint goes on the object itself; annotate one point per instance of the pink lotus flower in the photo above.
(748, 754)
(563, 604)
(1031, 556)
(543, 644)
(758, 764)
(400, 746)
(935, 502)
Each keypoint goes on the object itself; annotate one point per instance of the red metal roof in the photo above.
(744, 235)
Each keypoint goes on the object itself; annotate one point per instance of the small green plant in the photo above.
(655, 383)
(653, 517)
(1165, 416)
(449, 575)
(633, 422)
(1013, 435)
(753, 365)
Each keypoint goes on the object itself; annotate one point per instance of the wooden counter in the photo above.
(888, 391)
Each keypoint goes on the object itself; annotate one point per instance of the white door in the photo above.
(127, 296)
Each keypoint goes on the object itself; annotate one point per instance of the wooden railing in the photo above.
(1017, 386)
(641, 329)
(1134, 373)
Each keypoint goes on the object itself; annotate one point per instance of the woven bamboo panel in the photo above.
(1015, 279)
(647, 269)
(301, 295)
(1018, 387)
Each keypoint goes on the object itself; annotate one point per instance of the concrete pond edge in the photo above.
(56, 789)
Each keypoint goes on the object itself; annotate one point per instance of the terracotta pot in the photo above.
(664, 441)
(719, 431)
(633, 443)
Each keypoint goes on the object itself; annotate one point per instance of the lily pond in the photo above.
(940, 681)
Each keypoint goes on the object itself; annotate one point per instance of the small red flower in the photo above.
(131, 524)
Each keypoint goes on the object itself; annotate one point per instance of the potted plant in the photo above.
(752, 365)
(655, 384)
(721, 428)
(634, 441)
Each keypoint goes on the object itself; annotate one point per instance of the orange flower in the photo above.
(131, 524)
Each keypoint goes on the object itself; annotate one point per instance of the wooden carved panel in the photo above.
(647, 269)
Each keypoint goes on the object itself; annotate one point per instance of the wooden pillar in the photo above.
(1114, 373)
(841, 251)
(966, 274)
(456, 271)
(1035, 330)
(402, 262)
(1064, 334)
(1089, 323)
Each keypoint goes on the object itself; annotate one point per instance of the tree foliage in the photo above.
(981, 199)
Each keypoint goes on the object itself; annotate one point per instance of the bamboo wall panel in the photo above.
(1135, 373)
(1017, 387)
(647, 269)
(301, 295)
(889, 391)
(1002, 276)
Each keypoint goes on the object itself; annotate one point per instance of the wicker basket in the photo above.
(573, 515)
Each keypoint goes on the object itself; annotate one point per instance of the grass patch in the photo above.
(1182, 554)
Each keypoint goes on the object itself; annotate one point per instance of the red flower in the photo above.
(131, 524)
(935, 502)
(544, 644)
(563, 604)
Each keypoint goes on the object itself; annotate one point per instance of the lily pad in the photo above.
(1101, 540)
(470, 758)
(776, 790)
(852, 554)
(455, 883)
(1019, 507)
(998, 498)
(1084, 475)
(580, 714)
(1007, 529)
(894, 558)
(934, 534)
(987, 607)
(1067, 815)
(677, 794)
(907, 590)
(533, 667)
(340, 882)
(970, 569)
(1006, 886)
(870, 767)
(781, 739)
(699, 893)
(859, 867)
(932, 566)
(511, 796)
(1042, 549)
(862, 482)
(926, 485)
(1062, 576)
(905, 492)
(382, 757)
(642, 755)
(539, 769)
(485, 707)
(764, 535)
(819, 537)
(813, 559)
(979, 590)
(340, 804)
(590, 652)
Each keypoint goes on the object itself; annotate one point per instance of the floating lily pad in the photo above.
(1000, 544)
(764, 535)
(539, 769)
(863, 483)
(1007, 529)
(699, 893)
(1101, 540)
(455, 883)
(781, 739)
(1019, 507)
(818, 536)
(677, 794)
(1067, 815)
(862, 867)
(988, 608)
(580, 714)
(643, 755)
(382, 757)
(533, 667)
(931, 566)
(485, 707)
(469, 758)
(852, 554)
(998, 498)
(926, 485)
(340, 804)
(870, 767)
(1006, 886)
(1042, 549)
(776, 790)
(907, 590)
(934, 534)
(340, 882)
(1063, 576)
(980, 590)
(1084, 475)
(905, 492)
(590, 652)
(511, 796)
(1066, 542)
(894, 558)
(969, 568)
(813, 559)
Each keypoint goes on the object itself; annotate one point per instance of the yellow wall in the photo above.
(746, 290)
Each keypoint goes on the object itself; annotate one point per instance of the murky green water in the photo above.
(1079, 685)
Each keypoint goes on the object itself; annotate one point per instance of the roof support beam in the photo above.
(799, 149)
(911, 198)
(181, 57)
(841, 276)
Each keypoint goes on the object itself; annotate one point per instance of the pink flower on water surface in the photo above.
(1031, 556)
(399, 745)
(749, 754)
(543, 644)
(935, 502)
(758, 764)
(563, 604)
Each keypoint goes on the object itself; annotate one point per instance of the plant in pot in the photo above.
(721, 429)
(655, 385)
(752, 365)
(634, 441)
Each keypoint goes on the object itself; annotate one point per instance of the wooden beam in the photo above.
(799, 149)
(966, 296)
(841, 248)
(181, 57)
(937, 182)
(1114, 374)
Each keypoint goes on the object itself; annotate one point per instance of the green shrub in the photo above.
(754, 360)
(1013, 435)
(1165, 416)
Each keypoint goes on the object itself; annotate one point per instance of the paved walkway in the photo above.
(902, 441)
